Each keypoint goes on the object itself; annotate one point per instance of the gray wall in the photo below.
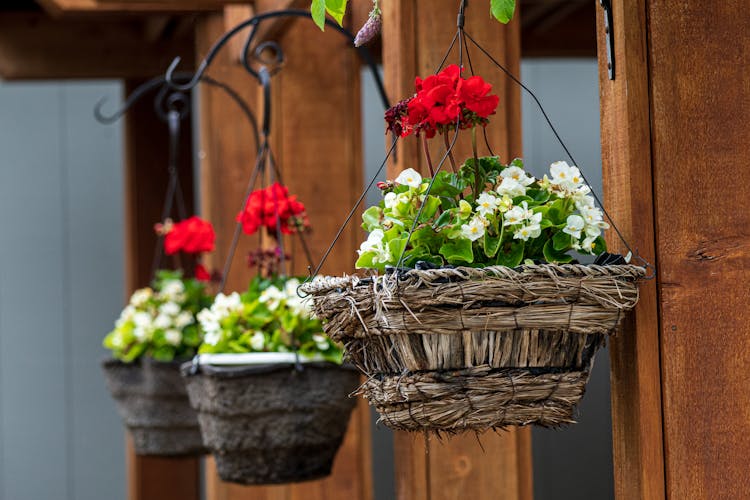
(569, 92)
(568, 88)
(61, 286)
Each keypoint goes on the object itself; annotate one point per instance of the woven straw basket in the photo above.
(450, 350)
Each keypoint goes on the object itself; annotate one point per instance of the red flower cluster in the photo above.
(265, 207)
(441, 101)
(193, 235)
(201, 273)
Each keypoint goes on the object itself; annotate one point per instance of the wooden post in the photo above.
(146, 155)
(416, 36)
(634, 353)
(316, 138)
(675, 139)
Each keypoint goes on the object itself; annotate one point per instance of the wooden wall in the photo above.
(675, 144)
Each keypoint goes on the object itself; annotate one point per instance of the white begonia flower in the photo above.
(172, 290)
(374, 243)
(474, 229)
(142, 319)
(212, 338)
(258, 341)
(506, 203)
(142, 334)
(170, 309)
(209, 321)
(321, 342)
(140, 297)
(162, 322)
(125, 316)
(581, 196)
(521, 213)
(390, 201)
(517, 174)
(224, 305)
(511, 187)
(184, 319)
(487, 204)
(173, 336)
(301, 306)
(574, 225)
(409, 177)
(524, 233)
(272, 297)
(565, 177)
(587, 245)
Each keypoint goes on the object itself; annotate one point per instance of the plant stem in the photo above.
(477, 186)
(427, 155)
(450, 151)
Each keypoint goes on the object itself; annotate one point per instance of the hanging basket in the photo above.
(273, 423)
(154, 406)
(458, 349)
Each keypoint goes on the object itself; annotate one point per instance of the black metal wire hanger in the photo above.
(460, 38)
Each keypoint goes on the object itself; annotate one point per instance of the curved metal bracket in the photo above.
(256, 54)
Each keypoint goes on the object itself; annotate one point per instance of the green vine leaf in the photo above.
(337, 9)
(503, 10)
(318, 11)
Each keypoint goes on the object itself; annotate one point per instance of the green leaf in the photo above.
(431, 205)
(491, 244)
(511, 256)
(503, 10)
(371, 218)
(561, 241)
(365, 261)
(458, 251)
(396, 247)
(538, 195)
(600, 246)
(318, 11)
(337, 9)
(553, 256)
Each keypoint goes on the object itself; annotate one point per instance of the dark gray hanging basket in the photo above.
(154, 406)
(272, 424)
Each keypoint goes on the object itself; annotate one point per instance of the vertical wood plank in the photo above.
(415, 39)
(146, 154)
(309, 123)
(699, 114)
(627, 177)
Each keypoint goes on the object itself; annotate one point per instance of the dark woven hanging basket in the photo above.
(451, 350)
(154, 406)
(272, 424)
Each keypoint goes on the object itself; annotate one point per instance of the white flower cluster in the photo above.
(147, 318)
(590, 223)
(210, 319)
(224, 306)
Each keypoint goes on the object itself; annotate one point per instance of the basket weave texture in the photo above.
(154, 406)
(476, 348)
(272, 424)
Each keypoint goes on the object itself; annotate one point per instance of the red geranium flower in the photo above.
(441, 102)
(273, 209)
(201, 273)
(193, 235)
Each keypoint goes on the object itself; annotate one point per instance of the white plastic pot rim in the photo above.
(253, 358)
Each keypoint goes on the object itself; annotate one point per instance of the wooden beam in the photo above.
(98, 7)
(146, 155)
(35, 46)
(699, 114)
(627, 173)
(328, 188)
(414, 40)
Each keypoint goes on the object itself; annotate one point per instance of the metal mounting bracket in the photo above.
(609, 37)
